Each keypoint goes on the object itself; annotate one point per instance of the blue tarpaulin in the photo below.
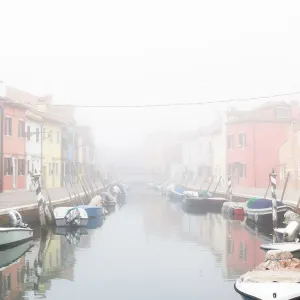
(261, 203)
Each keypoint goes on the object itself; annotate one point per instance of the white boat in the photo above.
(276, 278)
(61, 217)
(18, 233)
(10, 236)
(9, 255)
(290, 247)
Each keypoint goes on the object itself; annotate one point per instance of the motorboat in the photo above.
(17, 233)
(276, 278)
(259, 211)
(108, 199)
(9, 255)
(70, 216)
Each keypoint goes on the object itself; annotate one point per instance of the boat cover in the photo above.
(179, 189)
(260, 203)
(290, 216)
(204, 194)
(280, 266)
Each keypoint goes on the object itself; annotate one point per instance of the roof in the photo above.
(10, 102)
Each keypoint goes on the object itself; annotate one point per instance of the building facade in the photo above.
(253, 142)
(52, 152)
(33, 145)
(13, 146)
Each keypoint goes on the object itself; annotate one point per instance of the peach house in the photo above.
(254, 139)
(13, 145)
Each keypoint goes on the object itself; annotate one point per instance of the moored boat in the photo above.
(18, 233)
(259, 211)
(276, 278)
(70, 217)
(233, 209)
(205, 204)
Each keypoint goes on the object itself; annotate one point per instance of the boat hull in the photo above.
(93, 212)
(264, 216)
(267, 290)
(10, 237)
(203, 204)
(174, 196)
(60, 221)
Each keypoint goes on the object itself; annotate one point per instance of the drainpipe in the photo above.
(1, 149)
(254, 155)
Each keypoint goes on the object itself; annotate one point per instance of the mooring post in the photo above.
(229, 189)
(274, 200)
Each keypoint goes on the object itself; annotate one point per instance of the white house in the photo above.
(33, 144)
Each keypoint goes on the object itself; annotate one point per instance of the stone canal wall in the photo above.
(29, 210)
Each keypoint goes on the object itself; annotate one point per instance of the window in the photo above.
(242, 170)
(8, 168)
(242, 140)
(50, 135)
(21, 129)
(37, 134)
(57, 137)
(230, 169)
(8, 126)
(49, 168)
(230, 142)
(28, 166)
(283, 112)
(7, 284)
(56, 169)
(28, 133)
(21, 166)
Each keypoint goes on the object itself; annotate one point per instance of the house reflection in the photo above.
(51, 257)
(243, 247)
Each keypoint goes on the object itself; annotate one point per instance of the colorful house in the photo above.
(254, 139)
(289, 157)
(33, 144)
(13, 145)
(52, 151)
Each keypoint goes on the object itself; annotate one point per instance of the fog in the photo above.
(157, 52)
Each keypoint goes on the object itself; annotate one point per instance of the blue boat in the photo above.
(95, 223)
(94, 212)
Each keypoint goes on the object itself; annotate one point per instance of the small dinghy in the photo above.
(18, 233)
(95, 209)
(233, 209)
(276, 278)
(70, 217)
(259, 211)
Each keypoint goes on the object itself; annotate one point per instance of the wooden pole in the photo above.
(274, 200)
(297, 205)
(217, 185)
(267, 190)
(285, 185)
(212, 179)
(229, 188)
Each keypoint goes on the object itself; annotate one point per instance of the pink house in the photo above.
(253, 142)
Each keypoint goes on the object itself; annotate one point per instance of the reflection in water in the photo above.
(148, 249)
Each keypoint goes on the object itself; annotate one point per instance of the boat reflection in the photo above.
(30, 267)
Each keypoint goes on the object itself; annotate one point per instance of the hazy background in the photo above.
(140, 52)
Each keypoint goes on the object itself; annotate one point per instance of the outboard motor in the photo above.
(15, 219)
(291, 231)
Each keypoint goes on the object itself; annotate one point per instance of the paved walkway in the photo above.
(17, 199)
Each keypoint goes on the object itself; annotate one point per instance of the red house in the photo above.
(253, 141)
(13, 145)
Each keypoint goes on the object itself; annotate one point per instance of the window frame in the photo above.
(8, 118)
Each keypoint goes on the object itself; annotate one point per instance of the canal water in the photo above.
(148, 249)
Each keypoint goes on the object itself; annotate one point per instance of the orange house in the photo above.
(13, 144)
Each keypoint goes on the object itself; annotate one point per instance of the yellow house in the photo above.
(52, 258)
(52, 151)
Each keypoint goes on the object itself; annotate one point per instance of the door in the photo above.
(44, 180)
(15, 172)
(53, 174)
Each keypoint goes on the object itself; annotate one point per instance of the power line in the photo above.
(183, 103)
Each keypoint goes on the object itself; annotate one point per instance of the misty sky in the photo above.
(138, 52)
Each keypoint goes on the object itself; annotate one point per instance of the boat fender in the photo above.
(15, 219)
(291, 231)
